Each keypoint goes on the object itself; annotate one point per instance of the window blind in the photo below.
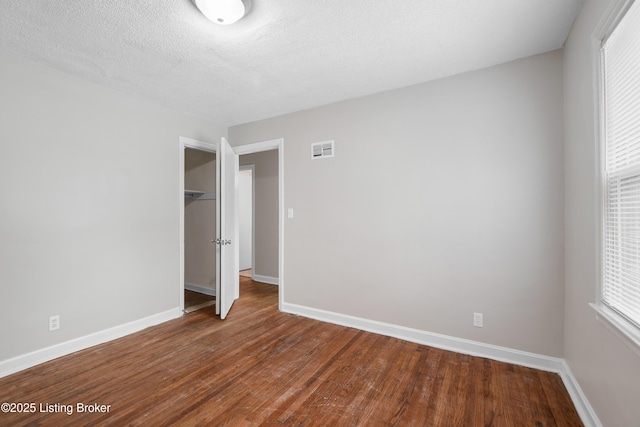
(621, 227)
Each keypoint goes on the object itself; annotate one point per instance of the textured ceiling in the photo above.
(285, 56)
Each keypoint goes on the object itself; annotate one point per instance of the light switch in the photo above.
(290, 213)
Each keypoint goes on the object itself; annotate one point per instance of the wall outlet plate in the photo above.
(477, 320)
(54, 323)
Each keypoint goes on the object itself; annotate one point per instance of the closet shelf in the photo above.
(198, 195)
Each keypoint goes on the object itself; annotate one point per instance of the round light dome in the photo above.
(223, 12)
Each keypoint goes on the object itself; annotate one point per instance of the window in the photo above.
(620, 90)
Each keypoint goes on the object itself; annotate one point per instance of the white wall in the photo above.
(607, 370)
(456, 206)
(245, 217)
(88, 213)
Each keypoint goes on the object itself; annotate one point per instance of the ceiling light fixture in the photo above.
(223, 12)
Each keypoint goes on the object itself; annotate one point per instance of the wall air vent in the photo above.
(322, 150)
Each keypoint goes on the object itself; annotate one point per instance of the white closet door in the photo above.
(227, 259)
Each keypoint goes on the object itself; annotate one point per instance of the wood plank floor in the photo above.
(263, 367)
(192, 298)
(195, 301)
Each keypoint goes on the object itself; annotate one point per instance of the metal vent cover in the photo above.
(322, 150)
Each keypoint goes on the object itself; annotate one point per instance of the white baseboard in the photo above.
(19, 363)
(586, 412)
(460, 345)
(445, 342)
(200, 289)
(265, 279)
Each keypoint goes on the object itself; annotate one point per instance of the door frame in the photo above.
(184, 143)
(257, 147)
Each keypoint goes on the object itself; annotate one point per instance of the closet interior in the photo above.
(199, 229)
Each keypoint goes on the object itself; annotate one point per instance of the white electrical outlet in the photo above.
(54, 323)
(477, 320)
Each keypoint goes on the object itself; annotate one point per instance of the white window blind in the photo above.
(621, 234)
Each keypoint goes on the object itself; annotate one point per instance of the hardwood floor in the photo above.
(263, 367)
(195, 301)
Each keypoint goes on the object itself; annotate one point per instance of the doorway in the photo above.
(197, 192)
(199, 228)
(277, 146)
(264, 259)
(268, 207)
(246, 219)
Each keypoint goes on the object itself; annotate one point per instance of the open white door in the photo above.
(227, 252)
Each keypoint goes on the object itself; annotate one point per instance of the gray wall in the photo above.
(608, 371)
(443, 199)
(89, 207)
(266, 210)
